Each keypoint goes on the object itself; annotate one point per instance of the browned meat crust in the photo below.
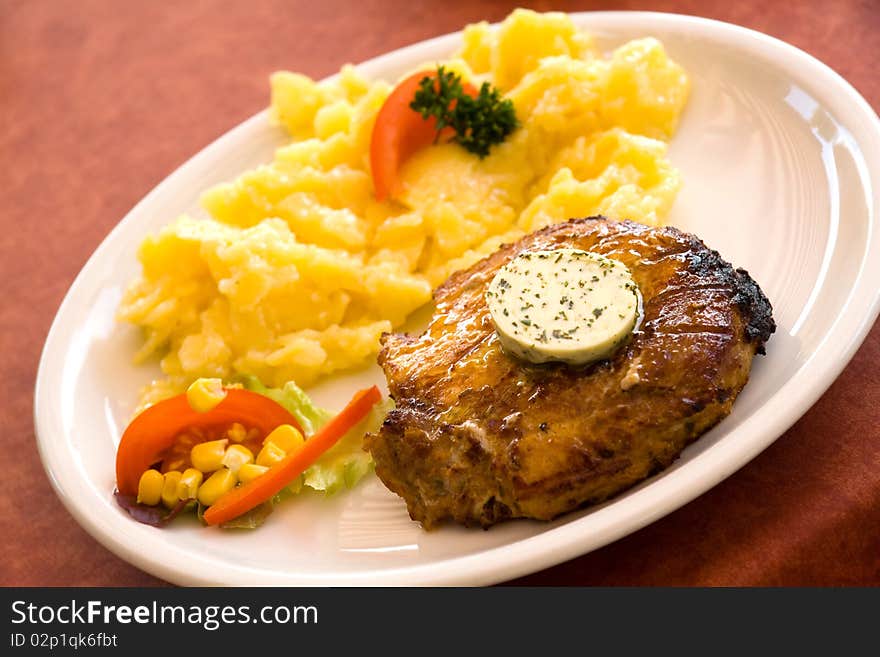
(478, 436)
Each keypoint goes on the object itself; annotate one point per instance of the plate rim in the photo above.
(554, 545)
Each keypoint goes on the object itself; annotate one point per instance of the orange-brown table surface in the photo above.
(99, 101)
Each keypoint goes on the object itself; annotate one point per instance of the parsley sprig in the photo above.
(479, 122)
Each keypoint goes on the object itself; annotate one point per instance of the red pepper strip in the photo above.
(247, 496)
(154, 430)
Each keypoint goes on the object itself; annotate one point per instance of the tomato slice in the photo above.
(400, 131)
(154, 430)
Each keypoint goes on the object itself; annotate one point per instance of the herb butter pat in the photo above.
(564, 305)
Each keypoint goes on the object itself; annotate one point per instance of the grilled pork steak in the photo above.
(479, 436)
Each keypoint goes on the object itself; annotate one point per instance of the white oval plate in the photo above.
(780, 158)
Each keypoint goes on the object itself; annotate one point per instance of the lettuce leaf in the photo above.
(297, 402)
(344, 464)
(252, 519)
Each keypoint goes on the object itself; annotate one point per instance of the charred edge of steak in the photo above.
(747, 295)
(752, 300)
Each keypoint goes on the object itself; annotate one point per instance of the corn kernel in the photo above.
(188, 487)
(169, 488)
(286, 437)
(208, 456)
(237, 433)
(270, 454)
(205, 394)
(237, 456)
(150, 487)
(250, 471)
(217, 485)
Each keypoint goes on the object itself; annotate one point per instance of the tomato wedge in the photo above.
(247, 496)
(154, 430)
(400, 131)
